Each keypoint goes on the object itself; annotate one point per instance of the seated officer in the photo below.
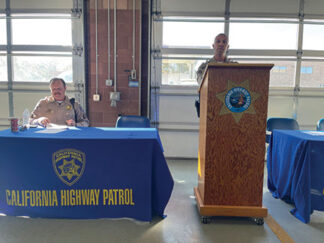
(58, 108)
(220, 47)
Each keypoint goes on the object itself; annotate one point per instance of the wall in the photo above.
(101, 113)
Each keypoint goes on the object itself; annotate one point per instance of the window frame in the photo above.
(161, 52)
(75, 50)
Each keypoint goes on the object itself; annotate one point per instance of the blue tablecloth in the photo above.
(83, 173)
(296, 170)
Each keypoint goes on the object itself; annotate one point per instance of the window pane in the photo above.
(312, 74)
(3, 31)
(263, 36)
(38, 68)
(313, 37)
(3, 68)
(179, 72)
(282, 74)
(42, 32)
(190, 34)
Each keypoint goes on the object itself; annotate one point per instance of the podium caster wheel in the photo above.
(205, 220)
(259, 221)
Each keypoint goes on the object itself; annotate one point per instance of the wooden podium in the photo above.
(233, 114)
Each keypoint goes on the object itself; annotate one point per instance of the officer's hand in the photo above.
(43, 121)
(70, 122)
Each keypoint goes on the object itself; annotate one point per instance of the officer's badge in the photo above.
(68, 107)
(69, 165)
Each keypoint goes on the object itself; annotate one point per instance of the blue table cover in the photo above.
(84, 173)
(296, 168)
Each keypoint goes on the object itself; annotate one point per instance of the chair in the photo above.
(132, 121)
(282, 124)
(320, 125)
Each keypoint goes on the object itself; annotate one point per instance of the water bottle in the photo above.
(26, 116)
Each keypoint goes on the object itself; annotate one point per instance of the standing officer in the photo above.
(220, 47)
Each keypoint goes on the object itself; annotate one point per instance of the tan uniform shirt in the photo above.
(58, 113)
(202, 67)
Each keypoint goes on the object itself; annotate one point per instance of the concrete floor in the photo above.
(182, 223)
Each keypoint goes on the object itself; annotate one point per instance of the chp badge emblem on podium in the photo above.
(237, 99)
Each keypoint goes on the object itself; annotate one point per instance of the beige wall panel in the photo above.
(26, 100)
(4, 111)
(265, 6)
(179, 144)
(192, 6)
(4, 105)
(314, 7)
(41, 4)
(280, 106)
(310, 110)
(178, 109)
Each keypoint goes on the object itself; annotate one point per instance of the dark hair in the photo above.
(57, 79)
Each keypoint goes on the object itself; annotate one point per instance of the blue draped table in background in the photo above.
(296, 170)
(84, 173)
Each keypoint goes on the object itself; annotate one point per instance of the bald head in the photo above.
(221, 35)
(220, 47)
